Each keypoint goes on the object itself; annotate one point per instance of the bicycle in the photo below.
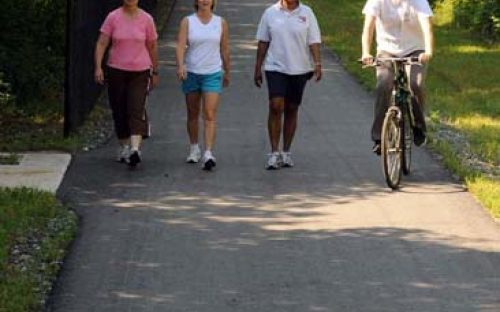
(397, 130)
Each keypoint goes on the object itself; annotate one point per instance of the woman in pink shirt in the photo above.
(132, 67)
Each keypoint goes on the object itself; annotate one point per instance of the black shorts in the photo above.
(289, 87)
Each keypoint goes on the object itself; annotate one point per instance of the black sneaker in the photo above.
(377, 148)
(209, 164)
(134, 158)
(208, 161)
(419, 137)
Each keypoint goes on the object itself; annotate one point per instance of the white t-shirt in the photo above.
(397, 26)
(289, 35)
(203, 52)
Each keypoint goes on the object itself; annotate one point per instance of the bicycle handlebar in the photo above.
(377, 61)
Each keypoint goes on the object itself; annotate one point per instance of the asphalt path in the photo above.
(326, 235)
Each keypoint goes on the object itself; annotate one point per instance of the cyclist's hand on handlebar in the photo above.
(367, 59)
(424, 58)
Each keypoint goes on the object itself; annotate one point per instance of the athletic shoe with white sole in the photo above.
(286, 160)
(194, 155)
(208, 161)
(274, 161)
(123, 154)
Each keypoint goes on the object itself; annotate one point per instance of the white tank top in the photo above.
(203, 52)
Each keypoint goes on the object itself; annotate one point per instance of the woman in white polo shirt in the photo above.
(403, 28)
(289, 47)
(203, 67)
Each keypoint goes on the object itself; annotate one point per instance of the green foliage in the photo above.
(6, 98)
(32, 49)
(480, 16)
(433, 3)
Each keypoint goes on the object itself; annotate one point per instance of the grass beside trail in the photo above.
(35, 230)
(462, 86)
(21, 132)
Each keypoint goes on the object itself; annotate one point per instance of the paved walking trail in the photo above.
(326, 235)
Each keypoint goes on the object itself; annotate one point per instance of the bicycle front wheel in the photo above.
(407, 140)
(391, 151)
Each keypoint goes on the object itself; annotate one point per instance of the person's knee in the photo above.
(210, 117)
(384, 85)
(416, 88)
(291, 109)
(276, 107)
(193, 113)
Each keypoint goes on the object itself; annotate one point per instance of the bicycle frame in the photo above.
(398, 123)
(401, 92)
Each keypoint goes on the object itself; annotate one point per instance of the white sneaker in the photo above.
(194, 154)
(208, 161)
(274, 161)
(123, 153)
(286, 160)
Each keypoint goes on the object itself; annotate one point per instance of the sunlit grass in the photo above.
(488, 192)
(483, 133)
(473, 49)
(462, 85)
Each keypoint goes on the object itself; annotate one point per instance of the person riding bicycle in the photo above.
(403, 29)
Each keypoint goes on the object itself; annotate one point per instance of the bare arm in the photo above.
(181, 49)
(316, 55)
(100, 48)
(367, 39)
(262, 48)
(426, 24)
(153, 54)
(224, 48)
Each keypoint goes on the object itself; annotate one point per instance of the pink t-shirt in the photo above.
(128, 39)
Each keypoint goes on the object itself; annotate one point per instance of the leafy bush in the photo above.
(480, 16)
(433, 3)
(32, 49)
(6, 99)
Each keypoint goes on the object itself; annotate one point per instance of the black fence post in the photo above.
(67, 83)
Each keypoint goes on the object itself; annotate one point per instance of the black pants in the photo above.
(127, 93)
(385, 83)
(289, 87)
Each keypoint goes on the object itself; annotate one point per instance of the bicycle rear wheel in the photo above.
(391, 149)
(407, 140)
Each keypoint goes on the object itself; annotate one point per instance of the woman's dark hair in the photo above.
(196, 5)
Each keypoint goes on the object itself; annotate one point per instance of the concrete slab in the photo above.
(43, 171)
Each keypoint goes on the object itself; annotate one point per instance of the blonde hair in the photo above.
(214, 2)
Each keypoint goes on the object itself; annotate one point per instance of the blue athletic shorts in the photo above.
(203, 83)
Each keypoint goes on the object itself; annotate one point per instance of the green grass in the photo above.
(24, 214)
(32, 132)
(9, 159)
(462, 85)
(44, 131)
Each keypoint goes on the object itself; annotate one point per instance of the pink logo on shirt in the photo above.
(302, 19)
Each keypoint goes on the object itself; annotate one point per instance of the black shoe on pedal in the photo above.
(419, 137)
